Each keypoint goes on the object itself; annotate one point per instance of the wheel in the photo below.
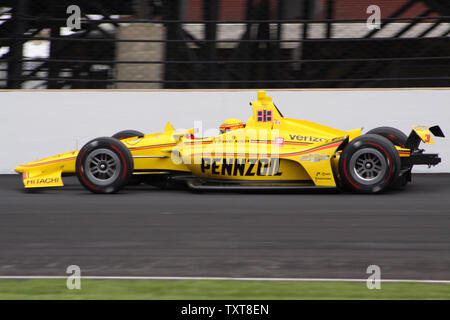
(134, 181)
(127, 134)
(369, 164)
(396, 136)
(104, 165)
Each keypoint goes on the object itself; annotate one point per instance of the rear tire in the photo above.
(396, 136)
(369, 164)
(104, 165)
(125, 134)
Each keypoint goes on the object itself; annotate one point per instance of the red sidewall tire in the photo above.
(396, 136)
(385, 155)
(119, 154)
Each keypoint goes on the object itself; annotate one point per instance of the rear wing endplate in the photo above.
(422, 133)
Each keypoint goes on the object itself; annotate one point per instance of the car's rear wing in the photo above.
(422, 133)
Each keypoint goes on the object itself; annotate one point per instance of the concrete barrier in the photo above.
(37, 124)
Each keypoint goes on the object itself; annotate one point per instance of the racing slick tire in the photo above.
(127, 134)
(124, 134)
(104, 165)
(369, 164)
(396, 136)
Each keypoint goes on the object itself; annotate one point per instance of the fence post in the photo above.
(15, 63)
(53, 68)
(210, 9)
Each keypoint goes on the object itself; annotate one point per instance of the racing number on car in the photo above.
(264, 116)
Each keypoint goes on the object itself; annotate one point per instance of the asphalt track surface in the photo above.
(149, 232)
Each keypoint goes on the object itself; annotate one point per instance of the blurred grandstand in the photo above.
(224, 44)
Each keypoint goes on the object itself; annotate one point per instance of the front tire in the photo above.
(104, 165)
(369, 164)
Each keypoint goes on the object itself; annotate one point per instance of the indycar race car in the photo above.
(268, 151)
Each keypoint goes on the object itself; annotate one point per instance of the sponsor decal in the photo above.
(41, 181)
(306, 138)
(322, 176)
(315, 157)
(241, 167)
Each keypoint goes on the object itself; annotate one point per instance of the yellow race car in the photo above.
(268, 151)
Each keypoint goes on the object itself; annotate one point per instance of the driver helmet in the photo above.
(231, 124)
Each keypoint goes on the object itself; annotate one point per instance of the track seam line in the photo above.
(222, 278)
